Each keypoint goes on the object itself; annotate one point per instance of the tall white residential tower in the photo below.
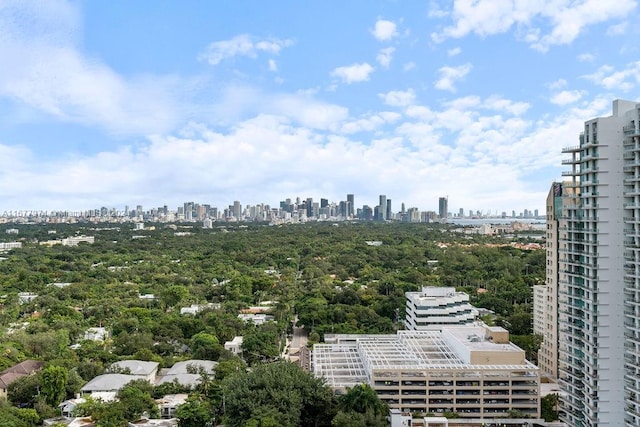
(598, 262)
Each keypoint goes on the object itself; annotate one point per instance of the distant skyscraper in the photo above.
(389, 214)
(324, 203)
(367, 213)
(309, 205)
(343, 209)
(443, 208)
(237, 209)
(382, 208)
(351, 205)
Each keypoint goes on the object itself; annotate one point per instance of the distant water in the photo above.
(537, 223)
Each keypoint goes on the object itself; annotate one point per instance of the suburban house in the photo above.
(169, 403)
(96, 334)
(11, 374)
(257, 318)
(69, 422)
(108, 383)
(145, 422)
(138, 368)
(194, 309)
(187, 373)
(235, 345)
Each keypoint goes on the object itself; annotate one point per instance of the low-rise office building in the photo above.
(473, 371)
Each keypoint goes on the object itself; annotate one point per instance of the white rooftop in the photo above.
(137, 367)
(350, 361)
(108, 382)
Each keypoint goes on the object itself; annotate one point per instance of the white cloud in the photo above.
(617, 29)
(450, 75)
(500, 104)
(384, 56)
(273, 66)
(353, 73)
(621, 80)
(241, 45)
(586, 57)
(454, 52)
(49, 74)
(267, 156)
(543, 24)
(240, 101)
(398, 98)
(370, 122)
(558, 84)
(306, 111)
(384, 30)
(566, 97)
(409, 66)
(436, 11)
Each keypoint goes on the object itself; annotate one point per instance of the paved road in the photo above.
(299, 337)
(298, 347)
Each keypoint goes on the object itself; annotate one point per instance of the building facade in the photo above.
(545, 296)
(473, 371)
(599, 273)
(443, 208)
(382, 208)
(434, 307)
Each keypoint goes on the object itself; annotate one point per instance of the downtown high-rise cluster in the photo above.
(588, 310)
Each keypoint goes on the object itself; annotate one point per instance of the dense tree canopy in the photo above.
(279, 392)
(135, 282)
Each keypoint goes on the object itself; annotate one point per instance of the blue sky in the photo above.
(160, 102)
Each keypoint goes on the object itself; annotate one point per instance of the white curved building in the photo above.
(435, 307)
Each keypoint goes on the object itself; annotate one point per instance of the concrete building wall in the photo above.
(591, 261)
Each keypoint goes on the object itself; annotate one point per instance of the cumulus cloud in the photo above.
(484, 141)
(558, 84)
(370, 122)
(353, 73)
(49, 74)
(242, 45)
(398, 98)
(501, 104)
(454, 52)
(617, 29)
(566, 97)
(543, 24)
(259, 145)
(306, 111)
(622, 80)
(385, 56)
(384, 30)
(586, 57)
(450, 75)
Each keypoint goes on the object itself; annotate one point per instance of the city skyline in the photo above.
(346, 208)
(123, 103)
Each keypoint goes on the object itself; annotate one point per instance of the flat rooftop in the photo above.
(352, 361)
